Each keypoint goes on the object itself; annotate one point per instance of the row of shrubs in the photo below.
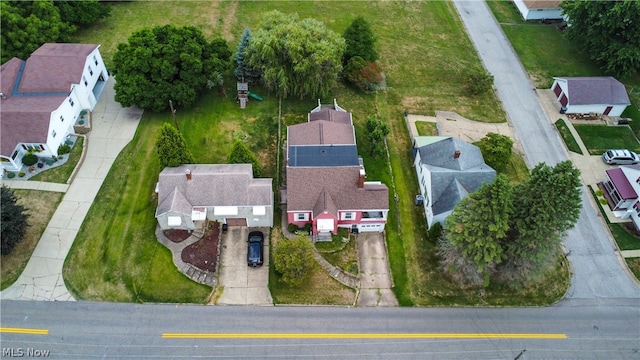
(32, 158)
(294, 228)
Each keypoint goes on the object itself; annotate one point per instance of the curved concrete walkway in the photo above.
(113, 127)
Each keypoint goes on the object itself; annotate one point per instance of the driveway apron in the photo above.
(238, 283)
(598, 275)
(375, 276)
(112, 127)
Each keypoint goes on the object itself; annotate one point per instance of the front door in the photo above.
(325, 225)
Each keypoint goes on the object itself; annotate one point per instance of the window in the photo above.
(95, 60)
(636, 207)
(53, 133)
(90, 70)
(71, 101)
(259, 210)
(85, 81)
(372, 215)
(15, 153)
(302, 216)
(61, 118)
(348, 216)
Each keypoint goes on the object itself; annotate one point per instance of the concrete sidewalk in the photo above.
(36, 185)
(113, 127)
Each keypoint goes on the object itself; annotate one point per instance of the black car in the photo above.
(255, 252)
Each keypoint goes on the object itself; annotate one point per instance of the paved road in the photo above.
(598, 273)
(82, 330)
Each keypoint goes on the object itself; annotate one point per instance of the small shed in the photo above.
(243, 93)
(584, 95)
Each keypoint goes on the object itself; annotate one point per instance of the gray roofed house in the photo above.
(448, 170)
(583, 95)
(189, 194)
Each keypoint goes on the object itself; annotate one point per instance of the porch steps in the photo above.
(200, 276)
(322, 237)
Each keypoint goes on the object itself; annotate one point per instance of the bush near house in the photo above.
(29, 159)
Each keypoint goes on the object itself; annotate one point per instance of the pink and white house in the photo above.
(42, 97)
(584, 95)
(621, 188)
(326, 184)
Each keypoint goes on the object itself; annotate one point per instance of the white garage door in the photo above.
(371, 227)
(325, 225)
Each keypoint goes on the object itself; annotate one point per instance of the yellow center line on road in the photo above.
(362, 336)
(24, 331)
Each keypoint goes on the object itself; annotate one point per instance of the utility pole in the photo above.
(173, 112)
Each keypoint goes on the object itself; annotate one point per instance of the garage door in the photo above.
(237, 222)
(371, 227)
(557, 90)
(325, 225)
(563, 100)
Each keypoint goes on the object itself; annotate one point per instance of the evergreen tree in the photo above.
(171, 147)
(13, 221)
(476, 229)
(549, 204)
(360, 41)
(243, 70)
(240, 154)
(377, 131)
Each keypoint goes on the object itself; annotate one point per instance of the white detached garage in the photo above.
(584, 95)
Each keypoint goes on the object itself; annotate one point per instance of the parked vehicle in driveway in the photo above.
(620, 157)
(255, 250)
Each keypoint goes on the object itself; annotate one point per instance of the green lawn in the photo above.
(62, 173)
(599, 138)
(427, 128)
(569, 141)
(116, 256)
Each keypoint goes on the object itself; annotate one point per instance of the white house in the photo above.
(448, 170)
(188, 195)
(621, 188)
(539, 9)
(584, 95)
(42, 97)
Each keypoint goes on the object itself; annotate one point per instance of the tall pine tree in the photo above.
(243, 70)
(171, 147)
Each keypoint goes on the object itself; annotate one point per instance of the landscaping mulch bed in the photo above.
(177, 235)
(204, 253)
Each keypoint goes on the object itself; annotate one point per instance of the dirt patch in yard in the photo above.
(204, 253)
(177, 235)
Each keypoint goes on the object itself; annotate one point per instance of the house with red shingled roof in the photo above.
(42, 97)
(621, 188)
(325, 177)
(584, 95)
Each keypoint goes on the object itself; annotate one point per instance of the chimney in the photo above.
(188, 173)
(456, 154)
(361, 178)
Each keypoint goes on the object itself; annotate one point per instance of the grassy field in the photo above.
(40, 206)
(426, 128)
(569, 141)
(599, 138)
(116, 257)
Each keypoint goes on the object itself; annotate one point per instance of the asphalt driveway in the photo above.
(239, 284)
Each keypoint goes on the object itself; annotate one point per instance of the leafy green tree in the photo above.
(360, 41)
(13, 221)
(377, 131)
(240, 154)
(296, 57)
(478, 83)
(367, 76)
(496, 150)
(293, 259)
(608, 31)
(477, 227)
(26, 25)
(548, 205)
(171, 147)
(166, 63)
(243, 70)
(82, 13)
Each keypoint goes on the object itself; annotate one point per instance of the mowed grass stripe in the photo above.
(24, 331)
(364, 336)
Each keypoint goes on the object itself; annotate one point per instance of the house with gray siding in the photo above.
(189, 195)
(448, 170)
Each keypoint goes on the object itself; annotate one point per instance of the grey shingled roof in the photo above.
(596, 90)
(453, 179)
(212, 185)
